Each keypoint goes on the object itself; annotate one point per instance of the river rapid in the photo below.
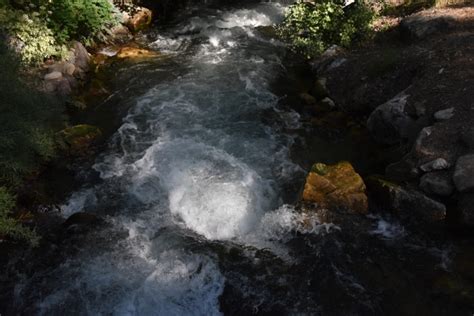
(196, 188)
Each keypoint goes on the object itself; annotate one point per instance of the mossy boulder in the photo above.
(336, 186)
(78, 139)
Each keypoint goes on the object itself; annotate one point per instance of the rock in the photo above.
(140, 20)
(64, 87)
(69, 69)
(136, 53)
(336, 187)
(319, 90)
(77, 139)
(465, 208)
(444, 115)
(437, 164)
(419, 148)
(328, 103)
(120, 34)
(464, 173)
(307, 98)
(336, 63)
(55, 75)
(419, 27)
(389, 123)
(406, 204)
(81, 57)
(438, 183)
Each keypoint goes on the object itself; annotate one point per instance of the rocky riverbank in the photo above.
(412, 88)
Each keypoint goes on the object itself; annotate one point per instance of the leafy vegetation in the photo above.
(9, 226)
(39, 29)
(311, 28)
(26, 124)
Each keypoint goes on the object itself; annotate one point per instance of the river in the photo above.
(196, 190)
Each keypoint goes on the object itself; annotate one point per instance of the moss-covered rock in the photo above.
(336, 186)
(78, 139)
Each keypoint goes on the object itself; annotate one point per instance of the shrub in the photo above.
(9, 226)
(26, 124)
(310, 28)
(29, 35)
(79, 19)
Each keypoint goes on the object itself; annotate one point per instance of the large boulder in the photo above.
(419, 27)
(336, 187)
(438, 182)
(389, 123)
(464, 173)
(405, 203)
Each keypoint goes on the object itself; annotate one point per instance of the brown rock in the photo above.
(140, 20)
(134, 52)
(335, 187)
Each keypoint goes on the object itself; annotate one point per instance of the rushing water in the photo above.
(195, 189)
(193, 162)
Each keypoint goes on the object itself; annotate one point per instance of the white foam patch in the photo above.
(388, 230)
(78, 202)
(286, 221)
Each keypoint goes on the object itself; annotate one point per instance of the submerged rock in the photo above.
(135, 52)
(336, 187)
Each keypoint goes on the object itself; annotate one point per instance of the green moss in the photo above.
(320, 169)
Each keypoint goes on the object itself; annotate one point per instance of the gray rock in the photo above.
(437, 164)
(464, 173)
(329, 103)
(69, 68)
(407, 203)
(444, 115)
(419, 27)
(55, 75)
(389, 123)
(81, 57)
(437, 183)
